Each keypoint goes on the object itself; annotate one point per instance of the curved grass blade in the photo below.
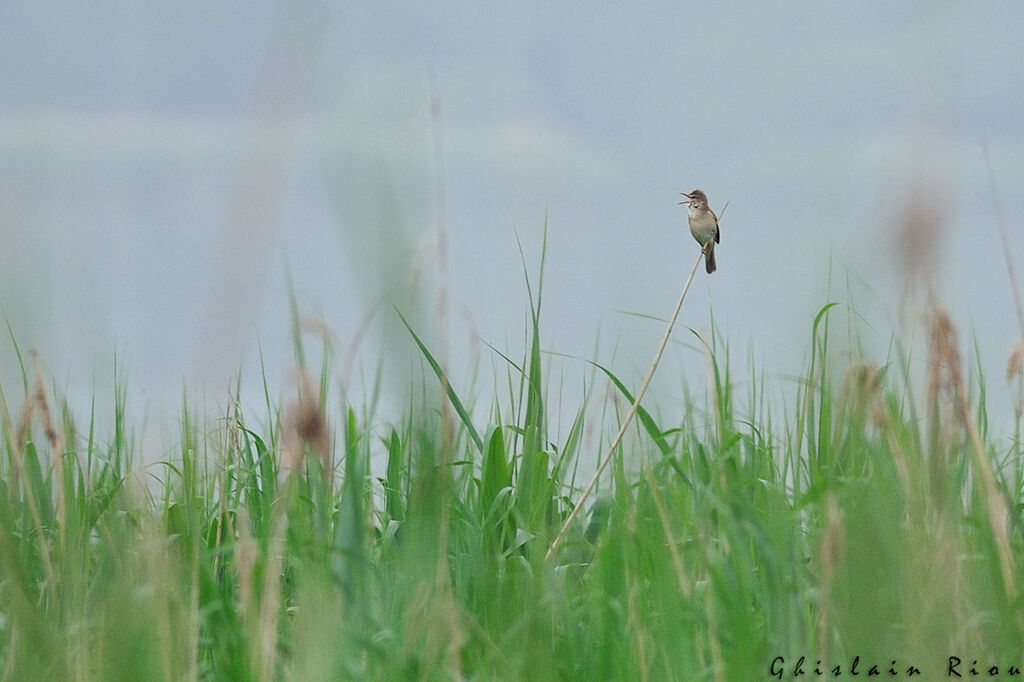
(452, 396)
(655, 432)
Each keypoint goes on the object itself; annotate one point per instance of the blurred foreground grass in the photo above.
(872, 525)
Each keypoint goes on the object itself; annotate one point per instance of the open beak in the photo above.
(687, 198)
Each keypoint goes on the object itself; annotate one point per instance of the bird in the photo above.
(703, 225)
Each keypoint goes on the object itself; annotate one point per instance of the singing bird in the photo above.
(703, 225)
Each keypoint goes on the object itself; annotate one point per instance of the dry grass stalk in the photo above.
(830, 553)
(232, 422)
(629, 417)
(940, 392)
(270, 601)
(919, 234)
(37, 405)
(1015, 372)
(881, 419)
(861, 405)
(53, 435)
(919, 231)
(305, 425)
(245, 555)
(862, 393)
(1015, 362)
(945, 372)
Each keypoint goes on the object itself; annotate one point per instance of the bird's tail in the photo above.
(709, 257)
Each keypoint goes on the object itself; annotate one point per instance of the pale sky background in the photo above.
(166, 167)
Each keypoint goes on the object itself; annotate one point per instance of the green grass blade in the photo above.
(652, 428)
(452, 396)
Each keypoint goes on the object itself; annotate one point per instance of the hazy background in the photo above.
(167, 168)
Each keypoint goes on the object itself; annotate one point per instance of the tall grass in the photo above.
(868, 529)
